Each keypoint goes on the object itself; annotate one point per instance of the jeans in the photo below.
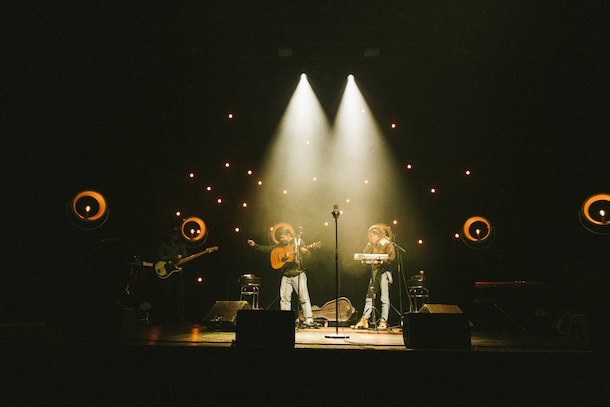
(299, 284)
(378, 283)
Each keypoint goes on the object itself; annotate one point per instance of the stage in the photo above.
(324, 338)
(169, 365)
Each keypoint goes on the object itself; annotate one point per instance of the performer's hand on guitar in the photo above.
(251, 242)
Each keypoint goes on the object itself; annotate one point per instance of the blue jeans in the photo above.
(299, 284)
(378, 283)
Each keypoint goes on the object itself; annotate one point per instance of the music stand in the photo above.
(336, 335)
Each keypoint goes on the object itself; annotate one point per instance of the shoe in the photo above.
(383, 325)
(310, 325)
(362, 324)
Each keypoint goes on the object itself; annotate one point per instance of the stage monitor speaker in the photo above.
(437, 326)
(265, 329)
(440, 309)
(223, 314)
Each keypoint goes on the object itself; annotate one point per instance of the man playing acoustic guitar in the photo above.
(287, 257)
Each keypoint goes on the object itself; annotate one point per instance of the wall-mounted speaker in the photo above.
(437, 326)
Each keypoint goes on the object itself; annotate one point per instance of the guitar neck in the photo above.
(293, 249)
(194, 256)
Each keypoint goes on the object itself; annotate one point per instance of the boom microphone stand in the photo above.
(297, 259)
(400, 278)
(336, 335)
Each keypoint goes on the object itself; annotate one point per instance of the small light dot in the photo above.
(199, 279)
(347, 200)
(393, 125)
(366, 181)
(307, 142)
(260, 182)
(178, 213)
(467, 172)
(409, 166)
(395, 222)
(433, 190)
(208, 188)
(227, 165)
(249, 172)
(237, 230)
(325, 223)
(457, 235)
(315, 178)
(420, 241)
(230, 115)
(191, 175)
(219, 200)
(285, 191)
(244, 204)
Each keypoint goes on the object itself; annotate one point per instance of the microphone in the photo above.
(335, 211)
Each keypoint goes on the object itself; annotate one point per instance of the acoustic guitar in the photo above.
(282, 255)
(165, 269)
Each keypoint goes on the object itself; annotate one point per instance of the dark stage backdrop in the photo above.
(126, 99)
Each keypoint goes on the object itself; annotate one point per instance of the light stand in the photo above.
(336, 335)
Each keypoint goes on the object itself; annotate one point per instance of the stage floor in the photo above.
(177, 365)
(137, 333)
(347, 338)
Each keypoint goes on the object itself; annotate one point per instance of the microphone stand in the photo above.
(400, 276)
(297, 260)
(336, 335)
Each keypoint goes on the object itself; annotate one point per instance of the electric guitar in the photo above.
(282, 255)
(165, 269)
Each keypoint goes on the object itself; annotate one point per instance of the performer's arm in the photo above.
(264, 249)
